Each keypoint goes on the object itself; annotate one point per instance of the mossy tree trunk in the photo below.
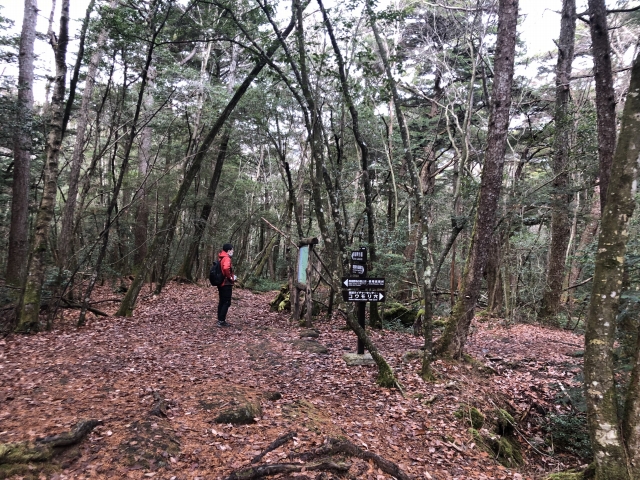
(613, 459)
(455, 335)
(29, 306)
(386, 377)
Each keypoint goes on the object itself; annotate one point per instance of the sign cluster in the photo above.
(361, 288)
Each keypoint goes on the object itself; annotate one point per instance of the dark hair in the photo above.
(227, 246)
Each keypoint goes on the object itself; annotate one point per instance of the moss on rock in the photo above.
(505, 422)
(395, 312)
(566, 476)
(243, 414)
(477, 418)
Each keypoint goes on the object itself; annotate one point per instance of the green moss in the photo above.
(386, 379)
(505, 422)
(508, 453)
(242, 415)
(472, 414)
(477, 418)
(566, 476)
(439, 323)
(395, 312)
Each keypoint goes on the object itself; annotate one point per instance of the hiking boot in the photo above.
(223, 324)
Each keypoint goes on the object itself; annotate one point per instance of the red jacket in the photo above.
(227, 269)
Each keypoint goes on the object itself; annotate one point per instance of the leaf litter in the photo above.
(117, 370)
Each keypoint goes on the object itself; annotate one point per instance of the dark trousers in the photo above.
(225, 302)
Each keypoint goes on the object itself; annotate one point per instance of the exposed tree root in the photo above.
(44, 449)
(333, 446)
(342, 446)
(261, 471)
(160, 406)
(281, 440)
(81, 430)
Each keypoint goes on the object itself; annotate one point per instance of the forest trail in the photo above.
(117, 369)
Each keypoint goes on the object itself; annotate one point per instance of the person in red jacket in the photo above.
(225, 290)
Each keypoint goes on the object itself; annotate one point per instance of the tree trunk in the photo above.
(422, 236)
(68, 215)
(560, 221)
(605, 94)
(455, 335)
(607, 439)
(22, 144)
(163, 239)
(586, 237)
(141, 225)
(29, 307)
(201, 223)
(314, 129)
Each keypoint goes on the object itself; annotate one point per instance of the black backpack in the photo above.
(215, 274)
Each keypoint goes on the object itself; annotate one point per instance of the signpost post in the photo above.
(361, 289)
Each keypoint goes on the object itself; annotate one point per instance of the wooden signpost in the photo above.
(361, 289)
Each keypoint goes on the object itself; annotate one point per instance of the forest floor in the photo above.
(117, 369)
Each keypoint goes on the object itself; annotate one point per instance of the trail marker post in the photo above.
(361, 289)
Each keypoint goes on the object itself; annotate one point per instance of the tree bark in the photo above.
(22, 144)
(607, 440)
(561, 198)
(29, 306)
(455, 335)
(605, 94)
(141, 224)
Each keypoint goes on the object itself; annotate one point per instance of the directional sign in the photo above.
(363, 282)
(359, 256)
(358, 269)
(362, 296)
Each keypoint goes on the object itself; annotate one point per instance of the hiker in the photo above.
(225, 289)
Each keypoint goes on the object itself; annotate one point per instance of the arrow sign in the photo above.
(362, 296)
(363, 282)
(359, 255)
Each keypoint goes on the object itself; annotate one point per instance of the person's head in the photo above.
(227, 247)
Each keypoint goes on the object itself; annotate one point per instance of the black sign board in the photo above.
(359, 256)
(362, 296)
(348, 282)
(358, 269)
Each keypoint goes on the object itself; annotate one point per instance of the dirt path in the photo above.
(116, 369)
